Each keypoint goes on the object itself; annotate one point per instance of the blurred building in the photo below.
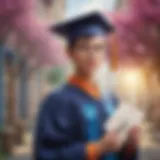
(21, 83)
(51, 10)
(34, 85)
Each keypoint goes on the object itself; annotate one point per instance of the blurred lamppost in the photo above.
(23, 92)
(7, 100)
(2, 84)
(11, 96)
(2, 94)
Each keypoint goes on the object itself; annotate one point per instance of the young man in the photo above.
(71, 120)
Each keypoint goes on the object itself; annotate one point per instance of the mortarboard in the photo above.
(93, 24)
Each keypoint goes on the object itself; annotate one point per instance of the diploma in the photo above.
(125, 118)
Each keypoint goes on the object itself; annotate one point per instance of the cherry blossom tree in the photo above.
(138, 31)
(19, 17)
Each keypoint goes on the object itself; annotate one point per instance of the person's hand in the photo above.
(134, 136)
(109, 143)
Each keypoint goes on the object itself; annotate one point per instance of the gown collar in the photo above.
(89, 88)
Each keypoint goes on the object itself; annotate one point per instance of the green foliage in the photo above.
(56, 76)
(3, 156)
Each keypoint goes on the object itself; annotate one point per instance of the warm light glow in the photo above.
(132, 77)
(131, 84)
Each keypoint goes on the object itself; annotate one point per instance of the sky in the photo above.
(75, 6)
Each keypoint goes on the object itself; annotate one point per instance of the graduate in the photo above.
(71, 120)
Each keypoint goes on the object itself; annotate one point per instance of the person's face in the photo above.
(88, 53)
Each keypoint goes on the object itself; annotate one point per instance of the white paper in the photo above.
(126, 117)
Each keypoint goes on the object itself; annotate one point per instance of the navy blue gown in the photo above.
(68, 119)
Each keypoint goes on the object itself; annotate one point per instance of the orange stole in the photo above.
(91, 89)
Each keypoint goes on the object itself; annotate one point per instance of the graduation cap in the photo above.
(89, 25)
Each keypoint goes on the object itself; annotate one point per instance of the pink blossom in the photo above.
(138, 30)
(32, 36)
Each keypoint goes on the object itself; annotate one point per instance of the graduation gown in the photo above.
(69, 118)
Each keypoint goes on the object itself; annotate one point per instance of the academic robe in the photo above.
(70, 118)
